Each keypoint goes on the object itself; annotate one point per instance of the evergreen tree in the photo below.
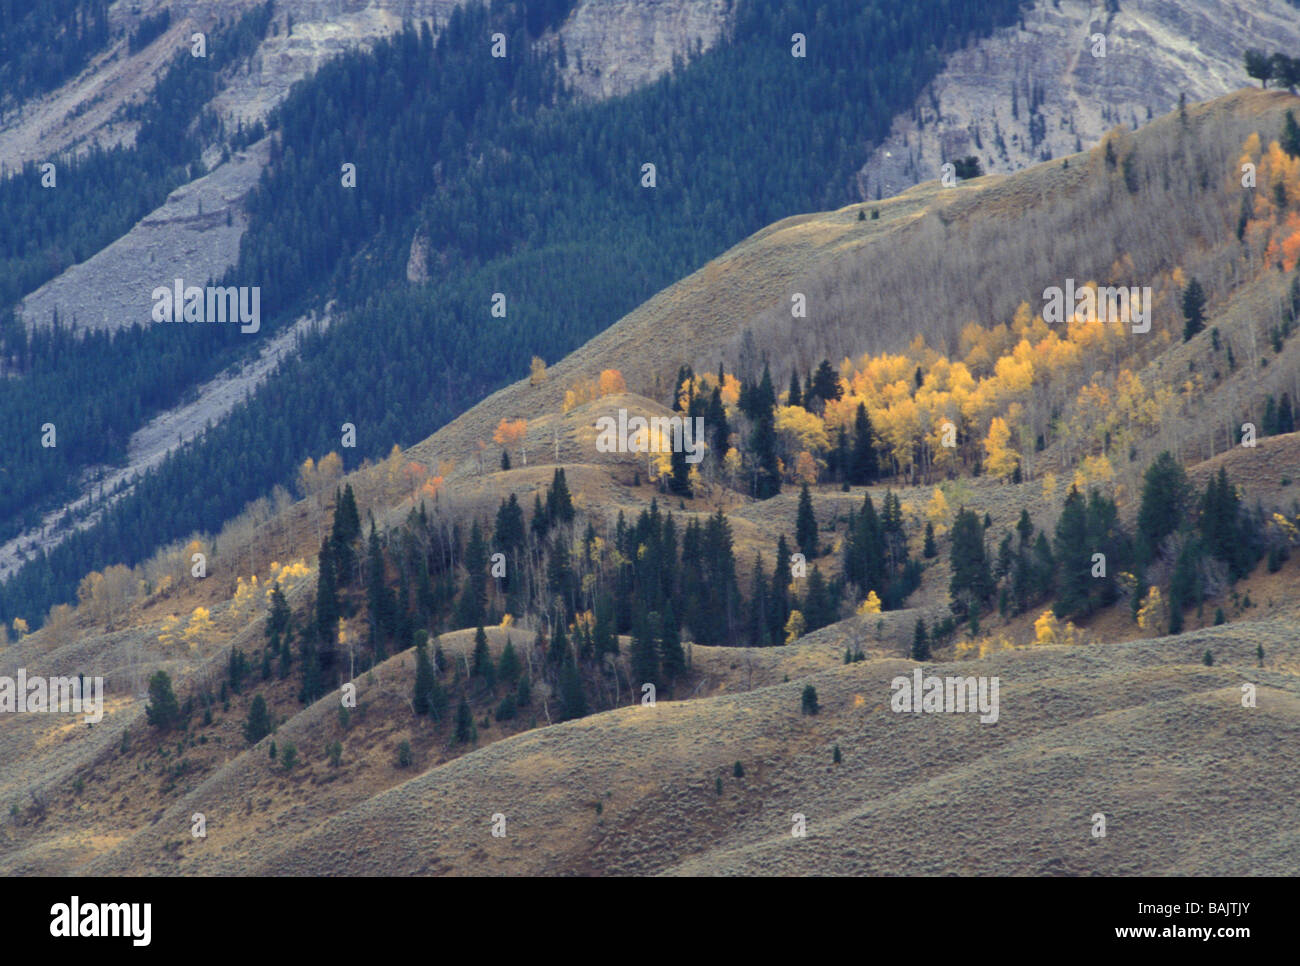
(716, 421)
(672, 655)
(864, 466)
(794, 396)
(163, 710)
(426, 682)
(1193, 309)
(806, 525)
(645, 662)
(559, 504)
(508, 666)
(1285, 416)
(328, 609)
(971, 580)
(1165, 495)
(826, 383)
(604, 632)
(929, 551)
(465, 730)
(573, 702)
(483, 666)
(1073, 556)
(344, 533)
(258, 725)
(1290, 141)
(920, 642)
(808, 700)
(277, 621)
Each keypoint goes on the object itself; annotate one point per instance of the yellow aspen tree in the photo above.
(794, 627)
(1001, 460)
(200, 628)
(871, 605)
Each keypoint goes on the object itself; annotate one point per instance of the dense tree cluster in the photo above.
(532, 194)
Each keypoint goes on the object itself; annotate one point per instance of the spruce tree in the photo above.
(425, 681)
(1193, 309)
(573, 702)
(806, 525)
(1165, 495)
(920, 642)
(258, 725)
(794, 396)
(508, 666)
(465, 730)
(483, 666)
(645, 661)
(864, 463)
(163, 710)
(672, 655)
(1074, 557)
(971, 579)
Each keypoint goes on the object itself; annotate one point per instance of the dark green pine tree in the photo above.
(794, 396)
(920, 642)
(1185, 584)
(573, 702)
(1290, 140)
(645, 660)
(672, 655)
(971, 581)
(1268, 425)
(344, 534)
(163, 710)
(558, 651)
(806, 525)
(767, 477)
(679, 479)
(328, 608)
(508, 536)
(277, 622)
(819, 608)
(508, 666)
(380, 607)
(716, 424)
(605, 631)
(779, 598)
(483, 666)
(1193, 309)
(826, 384)
(258, 724)
(1165, 498)
(1073, 557)
(1285, 416)
(864, 464)
(559, 504)
(465, 730)
(471, 609)
(929, 551)
(425, 680)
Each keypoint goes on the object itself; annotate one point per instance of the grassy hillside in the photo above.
(1144, 726)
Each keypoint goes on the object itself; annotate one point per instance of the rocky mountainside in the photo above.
(1047, 87)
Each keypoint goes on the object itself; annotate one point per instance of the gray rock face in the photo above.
(1036, 91)
(615, 46)
(194, 235)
